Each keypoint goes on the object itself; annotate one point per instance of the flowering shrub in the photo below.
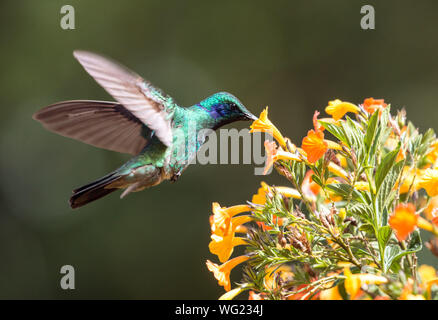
(347, 225)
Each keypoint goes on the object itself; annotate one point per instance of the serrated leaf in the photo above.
(388, 184)
(394, 252)
(371, 130)
(345, 190)
(335, 130)
(385, 165)
(353, 134)
(384, 235)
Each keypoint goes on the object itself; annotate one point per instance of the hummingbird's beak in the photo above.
(250, 116)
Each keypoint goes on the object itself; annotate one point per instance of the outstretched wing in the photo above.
(106, 125)
(145, 102)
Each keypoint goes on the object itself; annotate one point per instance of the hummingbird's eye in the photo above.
(233, 106)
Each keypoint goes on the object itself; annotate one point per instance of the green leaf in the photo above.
(318, 181)
(384, 195)
(385, 165)
(353, 134)
(371, 130)
(434, 292)
(384, 235)
(345, 190)
(335, 130)
(393, 252)
(415, 243)
(299, 170)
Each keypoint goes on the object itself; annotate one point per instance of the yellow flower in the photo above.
(411, 296)
(432, 156)
(263, 124)
(330, 294)
(338, 171)
(429, 181)
(230, 295)
(260, 197)
(342, 213)
(342, 160)
(288, 192)
(273, 154)
(362, 186)
(354, 282)
(410, 178)
(403, 220)
(337, 108)
(223, 246)
(428, 277)
(221, 219)
(407, 293)
(222, 272)
(432, 208)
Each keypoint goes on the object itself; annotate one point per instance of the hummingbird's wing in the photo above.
(146, 103)
(103, 124)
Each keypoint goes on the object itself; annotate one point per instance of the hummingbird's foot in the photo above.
(175, 177)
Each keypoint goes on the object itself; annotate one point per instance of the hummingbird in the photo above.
(143, 122)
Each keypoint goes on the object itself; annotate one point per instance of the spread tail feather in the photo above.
(93, 191)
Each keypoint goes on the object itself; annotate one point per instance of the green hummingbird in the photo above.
(143, 122)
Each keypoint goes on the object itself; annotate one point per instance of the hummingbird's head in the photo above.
(225, 108)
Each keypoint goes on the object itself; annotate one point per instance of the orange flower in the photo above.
(220, 221)
(337, 108)
(404, 220)
(429, 181)
(222, 272)
(314, 145)
(263, 124)
(371, 105)
(223, 246)
(273, 154)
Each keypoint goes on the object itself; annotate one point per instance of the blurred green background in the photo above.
(294, 56)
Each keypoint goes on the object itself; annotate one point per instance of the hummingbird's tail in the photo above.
(93, 191)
